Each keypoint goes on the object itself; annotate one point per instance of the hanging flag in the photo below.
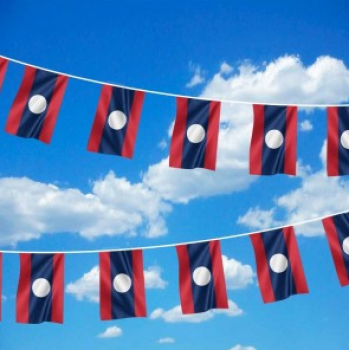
(40, 288)
(3, 68)
(195, 134)
(337, 231)
(274, 140)
(115, 127)
(337, 141)
(35, 108)
(122, 291)
(279, 266)
(201, 277)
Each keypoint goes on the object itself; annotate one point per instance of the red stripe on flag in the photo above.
(3, 68)
(257, 140)
(179, 133)
(332, 141)
(212, 135)
(295, 260)
(185, 278)
(138, 283)
(291, 141)
(23, 291)
(218, 275)
(105, 286)
(133, 123)
(100, 118)
(336, 251)
(53, 109)
(20, 101)
(58, 288)
(263, 275)
(0, 283)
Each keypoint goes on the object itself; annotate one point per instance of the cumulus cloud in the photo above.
(87, 287)
(240, 347)
(166, 341)
(198, 77)
(237, 275)
(306, 125)
(175, 315)
(285, 80)
(111, 332)
(29, 209)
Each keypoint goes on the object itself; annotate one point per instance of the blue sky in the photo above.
(61, 197)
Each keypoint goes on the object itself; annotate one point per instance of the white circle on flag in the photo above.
(202, 276)
(278, 263)
(274, 139)
(196, 133)
(122, 283)
(37, 104)
(346, 246)
(345, 139)
(117, 120)
(41, 287)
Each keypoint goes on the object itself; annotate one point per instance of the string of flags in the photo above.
(194, 142)
(202, 286)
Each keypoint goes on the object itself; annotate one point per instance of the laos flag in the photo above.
(121, 281)
(337, 141)
(40, 288)
(201, 277)
(279, 266)
(115, 127)
(3, 68)
(337, 232)
(274, 140)
(35, 108)
(195, 134)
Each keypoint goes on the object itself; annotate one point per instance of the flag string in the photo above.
(169, 94)
(171, 245)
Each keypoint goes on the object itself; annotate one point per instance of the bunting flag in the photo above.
(40, 288)
(35, 108)
(337, 141)
(201, 277)
(115, 127)
(279, 266)
(337, 232)
(122, 291)
(195, 134)
(274, 140)
(3, 68)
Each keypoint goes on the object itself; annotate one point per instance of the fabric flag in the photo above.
(337, 232)
(122, 291)
(195, 134)
(337, 141)
(35, 108)
(274, 140)
(115, 127)
(41, 288)
(201, 277)
(3, 68)
(279, 266)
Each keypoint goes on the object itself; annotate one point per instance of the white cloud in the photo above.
(237, 275)
(198, 77)
(166, 341)
(240, 347)
(87, 287)
(306, 125)
(111, 332)
(225, 68)
(175, 315)
(285, 80)
(29, 209)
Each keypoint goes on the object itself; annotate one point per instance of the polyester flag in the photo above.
(201, 277)
(115, 127)
(337, 141)
(279, 266)
(122, 291)
(274, 140)
(35, 108)
(41, 288)
(3, 68)
(195, 134)
(337, 232)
